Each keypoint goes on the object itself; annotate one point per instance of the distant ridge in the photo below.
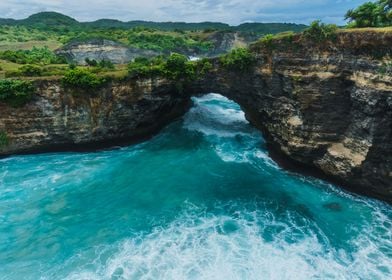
(49, 19)
(54, 20)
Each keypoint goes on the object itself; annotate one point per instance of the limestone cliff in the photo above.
(326, 106)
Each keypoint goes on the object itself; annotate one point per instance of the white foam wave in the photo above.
(202, 246)
(216, 115)
(212, 97)
(266, 159)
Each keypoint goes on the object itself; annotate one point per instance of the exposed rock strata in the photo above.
(100, 49)
(58, 118)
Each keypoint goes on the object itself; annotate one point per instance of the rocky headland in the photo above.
(326, 106)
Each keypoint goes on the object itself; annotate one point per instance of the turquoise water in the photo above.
(201, 200)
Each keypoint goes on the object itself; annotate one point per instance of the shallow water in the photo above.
(201, 200)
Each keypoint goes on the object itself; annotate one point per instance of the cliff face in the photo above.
(326, 106)
(100, 49)
(224, 42)
(63, 119)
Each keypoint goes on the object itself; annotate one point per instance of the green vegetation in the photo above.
(284, 39)
(239, 59)
(145, 38)
(320, 32)
(27, 70)
(371, 14)
(176, 67)
(82, 78)
(102, 65)
(385, 69)
(32, 70)
(4, 141)
(16, 93)
(157, 41)
(106, 65)
(22, 37)
(21, 34)
(42, 56)
(144, 67)
(268, 41)
(202, 67)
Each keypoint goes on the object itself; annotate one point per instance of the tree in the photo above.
(320, 32)
(90, 62)
(106, 64)
(371, 14)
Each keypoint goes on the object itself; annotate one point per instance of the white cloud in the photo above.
(231, 11)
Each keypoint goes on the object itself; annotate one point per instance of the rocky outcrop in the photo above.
(101, 49)
(326, 107)
(223, 42)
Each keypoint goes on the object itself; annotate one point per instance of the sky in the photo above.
(230, 11)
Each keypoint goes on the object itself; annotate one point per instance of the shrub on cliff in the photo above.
(385, 69)
(82, 78)
(267, 41)
(143, 67)
(239, 59)
(202, 66)
(4, 141)
(320, 32)
(16, 93)
(27, 70)
(177, 67)
(30, 70)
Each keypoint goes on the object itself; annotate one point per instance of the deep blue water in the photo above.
(201, 200)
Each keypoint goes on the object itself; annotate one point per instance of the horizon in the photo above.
(232, 12)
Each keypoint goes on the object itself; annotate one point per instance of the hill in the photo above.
(56, 21)
(47, 20)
